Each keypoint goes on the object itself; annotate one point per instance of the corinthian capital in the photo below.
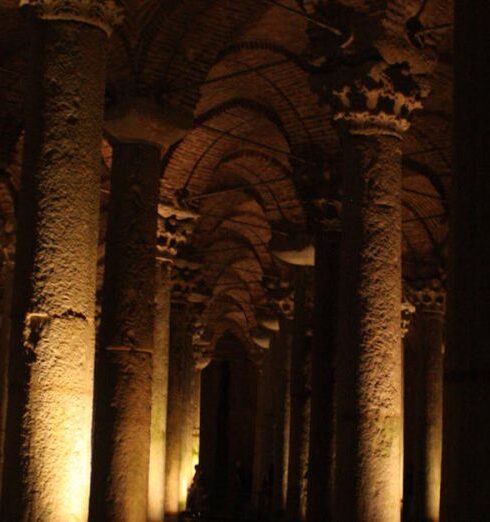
(104, 14)
(380, 99)
(175, 227)
(428, 296)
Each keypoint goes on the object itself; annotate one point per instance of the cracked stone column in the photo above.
(124, 359)
(174, 226)
(426, 434)
(373, 112)
(321, 460)
(47, 467)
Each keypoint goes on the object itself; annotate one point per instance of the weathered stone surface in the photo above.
(51, 376)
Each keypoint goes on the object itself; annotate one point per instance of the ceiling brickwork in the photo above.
(244, 69)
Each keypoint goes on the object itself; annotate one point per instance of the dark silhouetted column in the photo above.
(124, 359)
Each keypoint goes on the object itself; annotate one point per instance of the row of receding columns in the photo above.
(53, 317)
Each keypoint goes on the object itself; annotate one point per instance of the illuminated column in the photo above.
(300, 405)
(202, 358)
(190, 289)
(429, 301)
(373, 113)
(156, 480)
(175, 412)
(173, 229)
(47, 467)
(321, 460)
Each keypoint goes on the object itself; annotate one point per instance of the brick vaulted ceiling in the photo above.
(243, 69)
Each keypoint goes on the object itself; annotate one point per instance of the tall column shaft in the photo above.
(263, 428)
(282, 424)
(156, 483)
(432, 396)
(47, 467)
(300, 407)
(175, 413)
(124, 365)
(466, 453)
(321, 461)
(5, 327)
(190, 406)
(369, 361)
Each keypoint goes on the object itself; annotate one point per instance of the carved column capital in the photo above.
(325, 215)
(201, 355)
(174, 229)
(281, 297)
(407, 311)
(188, 284)
(428, 296)
(379, 100)
(104, 14)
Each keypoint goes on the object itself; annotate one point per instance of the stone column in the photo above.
(47, 467)
(175, 413)
(300, 405)
(282, 426)
(156, 479)
(429, 301)
(281, 298)
(262, 416)
(466, 452)
(5, 328)
(124, 359)
(321, 461)
(173, 230)
(188, 293)
(373, 112)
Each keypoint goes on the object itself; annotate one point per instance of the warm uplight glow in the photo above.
(70, 460)
(184, 485)
(156, 489)
(434, 477)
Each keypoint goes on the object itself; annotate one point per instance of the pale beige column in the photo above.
(175, 227)
(373, 112)
(175, 414)
(47, 467)
(156, 480)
